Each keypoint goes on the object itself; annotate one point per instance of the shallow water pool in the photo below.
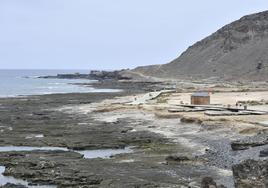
(88, 154)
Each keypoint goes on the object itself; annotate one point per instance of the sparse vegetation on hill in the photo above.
(237, 51)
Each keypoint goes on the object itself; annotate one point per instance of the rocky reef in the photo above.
(93, 75)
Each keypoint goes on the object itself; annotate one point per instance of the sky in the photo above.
(108, 34)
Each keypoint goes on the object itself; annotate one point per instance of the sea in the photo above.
(15, 83)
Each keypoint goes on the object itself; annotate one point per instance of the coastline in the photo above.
(166, 151)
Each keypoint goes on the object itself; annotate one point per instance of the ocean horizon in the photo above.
(25, 82)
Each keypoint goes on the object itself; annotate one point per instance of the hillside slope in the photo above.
(236, 51)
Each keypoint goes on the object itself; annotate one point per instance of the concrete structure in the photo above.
(200, 99)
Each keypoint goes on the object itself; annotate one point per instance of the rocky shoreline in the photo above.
(166, 153)
(93, 75)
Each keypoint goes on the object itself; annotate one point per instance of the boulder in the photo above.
(264, 153)
(208, 182)
(254, 141)
(251, 174)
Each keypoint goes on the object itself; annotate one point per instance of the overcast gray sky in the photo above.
(108, 34)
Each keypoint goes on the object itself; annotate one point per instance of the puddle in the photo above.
(104, 153)
(88, 154)
(35, 136)
(6, 179)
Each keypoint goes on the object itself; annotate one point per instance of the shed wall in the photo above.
(200, 100)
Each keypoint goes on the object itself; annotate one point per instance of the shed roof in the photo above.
(200, 94)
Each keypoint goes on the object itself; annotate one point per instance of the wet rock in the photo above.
(45, 165)
(208, 182)
(238, 145)
(251, 174)
(126, 129)
(264, 153)
(177, 159)
(190, 120)
(151, 126)
(254, 141)
(9, 185)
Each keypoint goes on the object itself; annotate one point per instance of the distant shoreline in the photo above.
(25, 83)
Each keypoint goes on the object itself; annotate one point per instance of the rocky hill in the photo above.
(238, 51)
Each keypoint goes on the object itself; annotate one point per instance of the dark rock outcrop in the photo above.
(177, 159)
(264, 153)
(9, 185)
(208, 182)
(251, 174)
(68, 76)
(240, 145)
(258, 140)
(93, 75)
(106, 75)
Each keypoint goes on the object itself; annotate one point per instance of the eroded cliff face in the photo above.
(236, 51)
